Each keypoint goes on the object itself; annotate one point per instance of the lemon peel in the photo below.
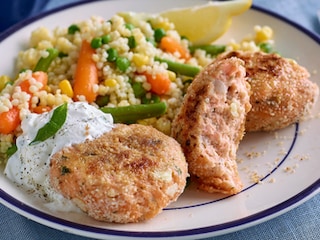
(205, 23)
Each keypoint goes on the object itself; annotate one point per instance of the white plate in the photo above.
(287, 161)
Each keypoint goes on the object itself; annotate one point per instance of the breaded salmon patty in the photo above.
(281, 90)
(210, 125)
(126, 175)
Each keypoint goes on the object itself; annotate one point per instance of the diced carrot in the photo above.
(168, 44)
(39, 76)
(9, 121)
(86, 75)
(41, 109)
(160, 83)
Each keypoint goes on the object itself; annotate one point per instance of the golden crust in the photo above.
(127, 175)
(281, 90)
(210, 125)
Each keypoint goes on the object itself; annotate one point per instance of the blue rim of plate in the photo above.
(243, 222)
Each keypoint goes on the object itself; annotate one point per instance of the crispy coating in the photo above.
(211, 122)
(127, 175)
(281, 90)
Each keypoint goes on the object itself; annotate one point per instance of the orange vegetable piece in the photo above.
(9, 121)
(41, 109)
(39, 77)
(160, 83)
(86, 75)
(170, 45)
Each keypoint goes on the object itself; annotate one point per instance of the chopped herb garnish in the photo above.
(52, 127)
(62, 55)
(11, 150)
(65, 170)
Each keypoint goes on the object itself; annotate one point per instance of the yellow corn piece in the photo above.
(66, 88)
(172, 76)
(4, 80)
(139, 59)
(110, 82)
(263, 34)
(165, 25)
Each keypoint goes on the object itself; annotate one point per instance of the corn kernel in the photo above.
(165, 25)
(172, 76)
(66, 88)
(4, 80)
(139, 59)
(110, 82)
(264, 34)
(235, 46)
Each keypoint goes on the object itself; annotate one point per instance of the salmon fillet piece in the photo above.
(126, 175)
(210, 125)
(282, 92)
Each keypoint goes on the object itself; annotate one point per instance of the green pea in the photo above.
(122, 63)
(102, 101)
(132, 42)
(96, 43)
(105, 39)
(159, 33)
(129, 26)
(72, 29)
(265, 47)
(112, 55)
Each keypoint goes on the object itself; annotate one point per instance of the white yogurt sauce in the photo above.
(28, 167)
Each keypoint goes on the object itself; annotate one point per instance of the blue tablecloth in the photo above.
(303, 222)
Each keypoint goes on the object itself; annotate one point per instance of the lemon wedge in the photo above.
(205, 23)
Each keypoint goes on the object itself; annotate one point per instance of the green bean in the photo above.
(44, 62)
(132, 113)
(210, 49)
(56, 121)
(180, 68)
(138, 89)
